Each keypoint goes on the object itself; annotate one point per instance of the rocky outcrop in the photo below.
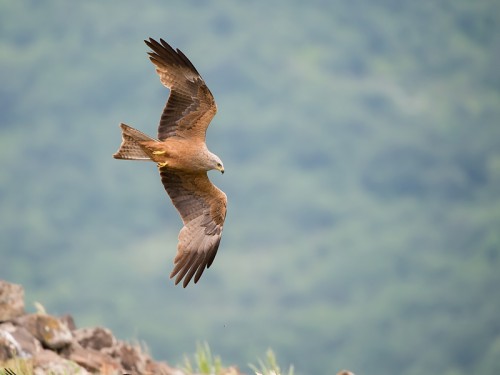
(53, 345)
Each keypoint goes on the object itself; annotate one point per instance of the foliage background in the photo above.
(361, 141)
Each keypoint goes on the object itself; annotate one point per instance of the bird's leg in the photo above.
(161, 165)
(159, 152)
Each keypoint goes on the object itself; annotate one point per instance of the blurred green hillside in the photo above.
(361, 141)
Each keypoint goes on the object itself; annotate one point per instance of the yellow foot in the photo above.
(161, 165)
(158, 152)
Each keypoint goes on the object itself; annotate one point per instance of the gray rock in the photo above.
(94, 360)
(131, 358)
(48, 362)
(50, 331)
(11, 301)
(68, 321)
(17, 342)
(94, 338)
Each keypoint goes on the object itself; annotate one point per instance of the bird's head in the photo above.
(220, 167)
(217, 163)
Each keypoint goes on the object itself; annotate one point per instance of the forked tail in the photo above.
(130, 148)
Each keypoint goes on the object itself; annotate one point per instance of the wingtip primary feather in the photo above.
(189, 266)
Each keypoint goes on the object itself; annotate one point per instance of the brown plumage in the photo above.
(183, 160)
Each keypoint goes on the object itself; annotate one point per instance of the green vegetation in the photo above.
(361, 142)
(269, 366)
(205, 362)
(16, 366)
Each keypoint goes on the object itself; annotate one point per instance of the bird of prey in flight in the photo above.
(183, 160)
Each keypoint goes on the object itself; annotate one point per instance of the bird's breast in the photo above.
(184, 155)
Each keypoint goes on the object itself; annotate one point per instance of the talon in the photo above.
(161, 165)
(158, 152)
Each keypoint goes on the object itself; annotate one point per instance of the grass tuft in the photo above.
(269, 366)
(205, 362)
(17, 366)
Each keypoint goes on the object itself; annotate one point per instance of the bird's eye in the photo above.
(219, 165)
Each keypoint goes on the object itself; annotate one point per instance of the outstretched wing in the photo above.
(191, 105)
(202, 207)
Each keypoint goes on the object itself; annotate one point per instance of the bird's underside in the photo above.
(183, 160)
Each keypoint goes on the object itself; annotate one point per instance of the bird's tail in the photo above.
(131, 148)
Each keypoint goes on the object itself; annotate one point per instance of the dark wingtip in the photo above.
(149, 42)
